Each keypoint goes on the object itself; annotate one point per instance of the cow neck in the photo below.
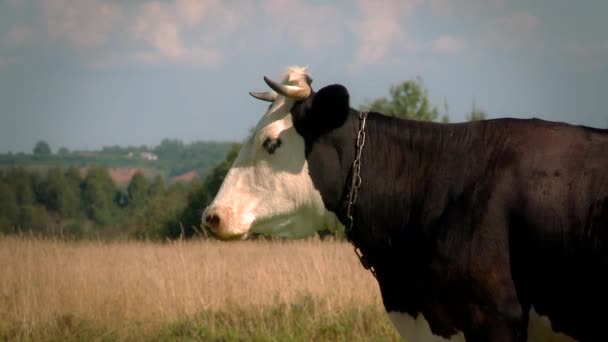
(355, 183)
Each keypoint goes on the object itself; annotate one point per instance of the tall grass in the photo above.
(202, 290)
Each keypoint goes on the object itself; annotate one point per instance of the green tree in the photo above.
(18, 198)
(58, 195)
(98, 193)
(169, 148)
(137, 190)
(157, 188)
(42, 148)
(475, 113)
(63, 151)
(21, 185)
(408, 100)
(216, 176)
(199, 198)
(33, 218)
(445, 118)
(9, 210)
(72, 176)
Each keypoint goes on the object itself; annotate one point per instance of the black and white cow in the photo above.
(471, 228)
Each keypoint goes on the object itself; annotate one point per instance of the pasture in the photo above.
(187, 290)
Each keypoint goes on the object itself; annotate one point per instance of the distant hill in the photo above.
(171, 159)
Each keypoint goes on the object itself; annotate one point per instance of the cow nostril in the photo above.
(212, 220)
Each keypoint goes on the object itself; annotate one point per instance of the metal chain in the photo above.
(355, 183)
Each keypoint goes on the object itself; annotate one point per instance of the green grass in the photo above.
(302, 320)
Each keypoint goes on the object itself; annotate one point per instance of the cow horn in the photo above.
(268, 96)
(294, 92)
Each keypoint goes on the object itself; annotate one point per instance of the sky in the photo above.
(84, 74)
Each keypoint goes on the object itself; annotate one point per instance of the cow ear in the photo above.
(325, 110)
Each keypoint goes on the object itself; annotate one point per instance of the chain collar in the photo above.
(355, 183)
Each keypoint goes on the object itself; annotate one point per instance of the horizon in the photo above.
(55, 149)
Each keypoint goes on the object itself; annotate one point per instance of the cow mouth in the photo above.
(227, 237)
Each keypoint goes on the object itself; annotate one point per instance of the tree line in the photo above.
(410, 100)
(170, 158)
(74, 204)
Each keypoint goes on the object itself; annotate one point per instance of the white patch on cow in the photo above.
(541, 329)
(418, 329)
(272, 193)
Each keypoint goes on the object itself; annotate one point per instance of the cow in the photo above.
(475, 231)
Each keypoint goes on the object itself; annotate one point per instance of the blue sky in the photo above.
(91, 73)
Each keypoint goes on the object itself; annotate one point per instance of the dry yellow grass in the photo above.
(124, 283)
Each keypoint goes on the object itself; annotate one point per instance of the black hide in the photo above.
(472, 223)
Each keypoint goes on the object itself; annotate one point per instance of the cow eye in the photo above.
(271, 145)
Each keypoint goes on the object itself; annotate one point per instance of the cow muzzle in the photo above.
(221, 223)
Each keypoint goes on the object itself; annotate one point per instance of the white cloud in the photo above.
(192, 11)
(380, 28)
(466, 8)
(83, 23)
(19, 35)
(590, 56)
(16, 3)
(157, 27)
(442, 7)
(195, 56)
(518, 22)
(4, 61)
(306, 25)
(577, 50)
(512, 31)
(447, 44)
(498, 4)
(186, 31)
(204, 32)
(179, 31)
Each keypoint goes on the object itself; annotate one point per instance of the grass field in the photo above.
(196, 290)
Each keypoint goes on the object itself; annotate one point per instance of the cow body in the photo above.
(469, 226)
(473, 224)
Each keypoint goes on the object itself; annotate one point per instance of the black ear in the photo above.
(323, 111)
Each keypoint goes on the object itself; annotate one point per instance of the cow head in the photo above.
(269, 189)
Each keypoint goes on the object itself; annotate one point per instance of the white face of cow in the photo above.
(269, 190)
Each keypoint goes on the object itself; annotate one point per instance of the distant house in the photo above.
(148, 156)
(122, 175)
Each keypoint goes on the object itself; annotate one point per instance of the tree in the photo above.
(72, 176)
(169, 148)
(214, 179)
(98, 193)
(408, 100)
(157, 188)
(63, 151)
(58, 195)
(21, 184)
(42, 148)
(33, 218)
(475, 113)
(200, 197)
(445, 118)
(9, 210)
(137, 191)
